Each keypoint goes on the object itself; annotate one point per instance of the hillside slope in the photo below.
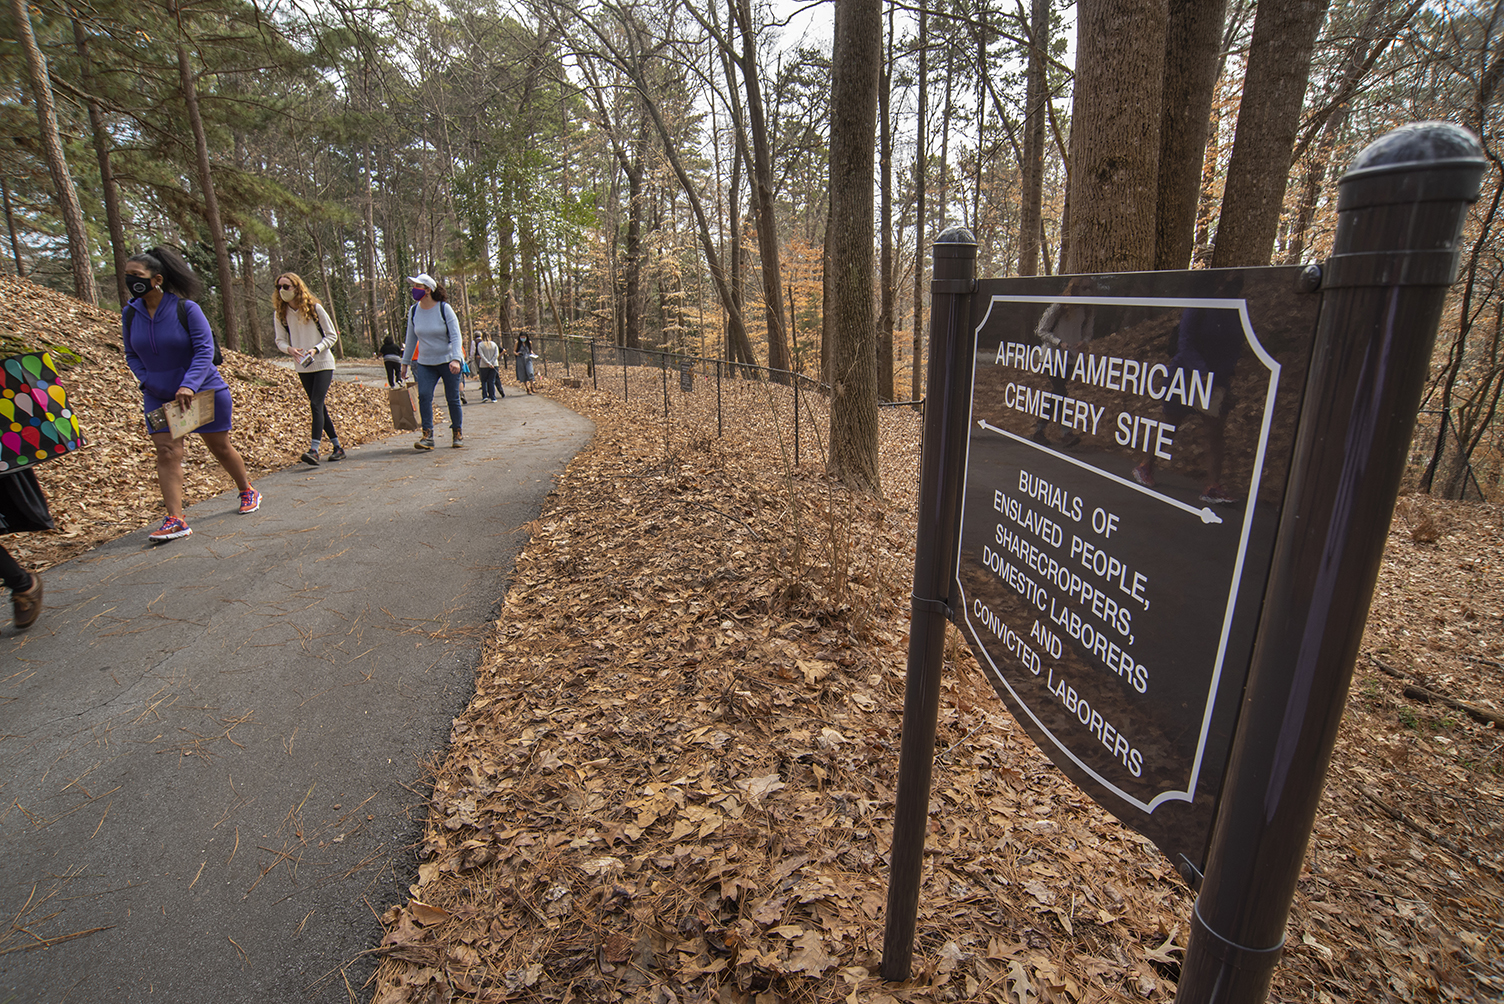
(110, 486)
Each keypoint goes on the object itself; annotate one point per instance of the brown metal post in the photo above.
(1401, 207)
(944, 451)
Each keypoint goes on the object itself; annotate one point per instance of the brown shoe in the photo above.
(26, 606)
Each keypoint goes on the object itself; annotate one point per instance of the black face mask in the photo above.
(138, 286)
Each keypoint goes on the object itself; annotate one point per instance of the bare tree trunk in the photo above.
(943, 216)
(734, 259)
(57, 162)
(248, 270)
(100, 136)
(1193, 44)
(1030, 215)
(10, 224)
(856, 61)
(921, 181)
(1362, 53)
(1279, 63)
(206, 182)
(762, 189)
(1120, 55)
(1464, 329)
(885, 266)
(632, 265)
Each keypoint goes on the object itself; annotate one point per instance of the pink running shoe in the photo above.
(250, 501)
(172, 528)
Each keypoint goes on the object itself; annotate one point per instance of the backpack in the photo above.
(317, 323)
(125, 327)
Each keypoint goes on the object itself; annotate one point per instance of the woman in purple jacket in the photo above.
(174, 360)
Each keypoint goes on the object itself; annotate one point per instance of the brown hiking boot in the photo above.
(26, 606)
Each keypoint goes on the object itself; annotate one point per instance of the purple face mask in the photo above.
(419, 292)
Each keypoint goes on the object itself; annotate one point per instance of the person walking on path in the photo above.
(434, 348)
(25, 591)
(525, 359)
(23, 507)
(306, 332)
(391, 355)
(170, 349)
(487, 362)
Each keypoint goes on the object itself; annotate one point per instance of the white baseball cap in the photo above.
(423, 279)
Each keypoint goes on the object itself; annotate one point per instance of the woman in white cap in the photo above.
(434, 349)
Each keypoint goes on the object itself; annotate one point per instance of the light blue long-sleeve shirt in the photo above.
(433, 336)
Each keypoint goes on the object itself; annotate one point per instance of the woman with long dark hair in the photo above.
(170, 349)
(435, 349)
(306, 332)
(525, 357)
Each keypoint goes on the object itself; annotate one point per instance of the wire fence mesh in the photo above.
(1455, 471)
(698, 398)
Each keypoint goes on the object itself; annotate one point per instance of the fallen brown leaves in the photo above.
(110, 486)
(676, 779)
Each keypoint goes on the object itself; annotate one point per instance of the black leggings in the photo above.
(317, 386)
(12, 574)
(393, 373)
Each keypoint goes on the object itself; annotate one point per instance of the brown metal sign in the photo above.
(1130, 441)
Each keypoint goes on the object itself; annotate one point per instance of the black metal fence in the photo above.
(697, 397)
(1453, 474)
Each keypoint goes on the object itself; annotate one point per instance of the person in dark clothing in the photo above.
(25, 591)
(391, 354)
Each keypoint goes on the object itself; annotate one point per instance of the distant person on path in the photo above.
(23, 507)
(487, 363)
(391, 355)
(25, 591)
(525, 361)
(1208, 340)
(305, 332)
(1067, 326)
(435, 350)
(170, 349)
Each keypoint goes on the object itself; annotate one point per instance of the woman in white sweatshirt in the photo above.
(305, 332)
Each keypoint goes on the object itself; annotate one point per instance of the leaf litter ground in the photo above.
(675, 781)
(109, 487)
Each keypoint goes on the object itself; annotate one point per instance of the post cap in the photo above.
(1418, 143)
(1418, 162)
(956, 235)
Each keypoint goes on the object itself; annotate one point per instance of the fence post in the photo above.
(595, 383)
(944, 448)
(663, 371)
(1400, 211)
(720, 431)
(626, 394)
(796, 421)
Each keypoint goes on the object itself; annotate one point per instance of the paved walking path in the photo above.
(211, 751)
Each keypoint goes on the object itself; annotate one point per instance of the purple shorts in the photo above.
(222, 409)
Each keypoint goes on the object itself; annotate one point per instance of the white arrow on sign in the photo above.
(1205, 514)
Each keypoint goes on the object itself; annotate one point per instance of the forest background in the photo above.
(675, 175)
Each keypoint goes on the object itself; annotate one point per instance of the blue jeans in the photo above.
(489, 383)
(428, 377)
